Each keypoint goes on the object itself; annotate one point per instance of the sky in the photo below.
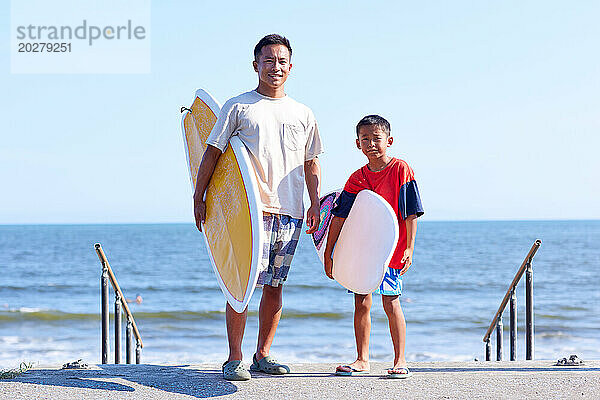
(495, 105)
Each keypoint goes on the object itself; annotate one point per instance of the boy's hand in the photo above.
(313, 218)
(328, 266)
(406, 260)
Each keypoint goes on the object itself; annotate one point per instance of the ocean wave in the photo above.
(555, 334)
(561, 317)
(315, 315)
(32, 314)
(38, 314)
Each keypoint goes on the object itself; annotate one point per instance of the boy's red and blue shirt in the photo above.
(395, 183)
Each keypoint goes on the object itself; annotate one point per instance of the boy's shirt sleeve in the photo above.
(409, 199)
(346, 200)
(225, 127)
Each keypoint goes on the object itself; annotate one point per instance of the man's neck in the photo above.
(270, 92)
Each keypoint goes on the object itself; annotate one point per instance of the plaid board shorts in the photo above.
(281, 238)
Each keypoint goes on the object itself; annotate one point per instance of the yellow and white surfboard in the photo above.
(233, 228)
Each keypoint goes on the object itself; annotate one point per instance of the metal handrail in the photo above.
(511, 295)
(120, 300)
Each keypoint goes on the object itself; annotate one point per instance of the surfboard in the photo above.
(366, 242)
(233, 228)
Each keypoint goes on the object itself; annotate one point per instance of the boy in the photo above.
(283, 142)
(393, 179)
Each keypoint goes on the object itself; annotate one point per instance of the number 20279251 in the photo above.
(42, 47)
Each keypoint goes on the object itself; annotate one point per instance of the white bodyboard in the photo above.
(366, 244)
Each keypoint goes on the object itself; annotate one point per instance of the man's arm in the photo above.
(411, 232)
(205, 171)
(312, 175)
(334, 232)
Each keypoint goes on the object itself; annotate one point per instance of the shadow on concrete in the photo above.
(174, 379)
(261, 375)
(505, 369)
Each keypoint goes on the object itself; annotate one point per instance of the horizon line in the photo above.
(192, 223)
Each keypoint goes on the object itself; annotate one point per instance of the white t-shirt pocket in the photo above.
(293, 137)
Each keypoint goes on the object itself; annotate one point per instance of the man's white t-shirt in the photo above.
(280, 135)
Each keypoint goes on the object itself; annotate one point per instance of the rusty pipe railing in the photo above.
(120, 300)
(511, 295)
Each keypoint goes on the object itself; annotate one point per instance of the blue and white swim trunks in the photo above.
(392, 283)
(281, 238)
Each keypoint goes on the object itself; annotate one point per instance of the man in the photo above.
(283, 142)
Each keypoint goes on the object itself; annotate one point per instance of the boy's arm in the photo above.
(205, 171)
(312, 175)
(411, 232)
(334, 232)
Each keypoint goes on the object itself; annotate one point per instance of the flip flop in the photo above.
(399, 373)
(352, 372)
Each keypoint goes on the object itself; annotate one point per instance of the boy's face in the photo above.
(273, 65)
(373, 141)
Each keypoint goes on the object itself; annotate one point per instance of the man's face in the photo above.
(273, 65)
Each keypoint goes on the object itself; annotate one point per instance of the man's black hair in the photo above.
(271, 39)
(381, 122)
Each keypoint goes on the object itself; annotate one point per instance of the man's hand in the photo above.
(312, 175)
(313, 218)
(328, 266)
(406, 260)
(199, 213)
(205, 171)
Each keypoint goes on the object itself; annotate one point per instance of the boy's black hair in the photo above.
(381, 122)
(273, 38)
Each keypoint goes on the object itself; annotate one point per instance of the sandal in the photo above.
(269, 365)
(399, 373)
(350, 371)
(235, 371)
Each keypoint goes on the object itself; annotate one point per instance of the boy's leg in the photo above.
(362, 330)
(236, 322)
(269, 314)
(362, 325)
(393, 310)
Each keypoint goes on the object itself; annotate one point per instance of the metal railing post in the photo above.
(499, 329)
(105, 316)
(529, 311)
(488, 349)
(128, 341)
(513, 325)
(117, 328)
(511, 296)
(138, 352)
(121, 308)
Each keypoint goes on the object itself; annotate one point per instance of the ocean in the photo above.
(50, 294)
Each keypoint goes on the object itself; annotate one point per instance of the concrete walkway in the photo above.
(431, 380)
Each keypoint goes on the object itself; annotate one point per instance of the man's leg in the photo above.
(269, 314)
(283, 232)
(236, 322)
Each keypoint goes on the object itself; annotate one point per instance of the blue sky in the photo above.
(494, 104)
